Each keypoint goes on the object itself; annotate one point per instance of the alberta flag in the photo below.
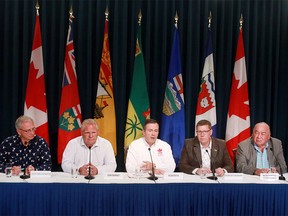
(206, 105)
(35, 101)
(70, 111)
(138, 105)
(104, 112)
(238, 119)
(173, 121)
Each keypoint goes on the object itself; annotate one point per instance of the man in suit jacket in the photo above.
(195, 157)
(261, 153)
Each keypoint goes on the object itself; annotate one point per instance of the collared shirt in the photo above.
(262, 157)
(160, 151)
(77, 154)
(206, 155)
(36, 153)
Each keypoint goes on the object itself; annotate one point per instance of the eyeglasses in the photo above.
(203, 132)
(29, 130)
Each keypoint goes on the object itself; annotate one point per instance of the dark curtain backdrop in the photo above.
(265, 37)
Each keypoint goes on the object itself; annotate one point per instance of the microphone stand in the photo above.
(152, 177)
(213, 177)
(24, 176)
(89, 176)
(281, 177)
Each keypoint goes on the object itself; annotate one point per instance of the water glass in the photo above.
(138, 172)
(8, 170)
(74, 172)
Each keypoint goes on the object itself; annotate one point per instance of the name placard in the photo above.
(40, 174)
(113, 176)
(269, 176)
(233, 176)
(173, 175)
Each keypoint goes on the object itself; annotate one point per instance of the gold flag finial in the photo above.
(241, 21)
(71, 12)
(139, 17)
(37, 8)
(176, 18)
(209, 19)
(106, 13)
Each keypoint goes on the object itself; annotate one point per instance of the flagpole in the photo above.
(176, 18)
(37, 8)
(106, 13)
(241, 22)
(139, 17)
(209, 20)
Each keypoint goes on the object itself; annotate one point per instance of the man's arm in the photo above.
(243, 159)
(109, 160)
(184, 164)
(45, 156)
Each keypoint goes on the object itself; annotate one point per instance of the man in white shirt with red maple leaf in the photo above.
(138, 156)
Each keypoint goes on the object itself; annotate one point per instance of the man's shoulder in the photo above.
(245, 142)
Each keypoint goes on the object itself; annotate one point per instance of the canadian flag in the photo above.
(35, 101)
(238, 120)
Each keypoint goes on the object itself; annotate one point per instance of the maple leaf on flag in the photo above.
(239, 98)
(35, 97)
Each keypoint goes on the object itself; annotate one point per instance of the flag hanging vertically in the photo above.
(138, 105)
(104, 112)
(35, 102)
(238, 120)
(173, 121)
(70, 111)
(206, 105)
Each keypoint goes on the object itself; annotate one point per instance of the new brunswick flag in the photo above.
(104, 112)
(138, 105)
(70, 111)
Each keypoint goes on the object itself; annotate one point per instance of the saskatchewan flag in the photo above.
(138, 105)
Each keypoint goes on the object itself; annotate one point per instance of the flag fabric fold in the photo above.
(35, 104)
(173, 120)
(104, 112)
(206, 105)
(238, 120)
(138, 105)
(70, 116)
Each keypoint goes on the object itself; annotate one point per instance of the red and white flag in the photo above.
(35, 101)
(70, 116)
(238, 120)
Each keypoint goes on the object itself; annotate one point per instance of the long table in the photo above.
(63, 195)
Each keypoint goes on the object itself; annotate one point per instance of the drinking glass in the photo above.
(8, 169)
(138, 172)
(74, 172)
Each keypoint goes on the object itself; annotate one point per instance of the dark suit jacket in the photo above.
(191, 156)
(246, 156)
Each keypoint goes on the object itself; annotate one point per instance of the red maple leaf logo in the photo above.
(35, 94)
(239, 100)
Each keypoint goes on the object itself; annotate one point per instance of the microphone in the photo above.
(281, 177)
(152, 177)
(89, 176)
(213, 177)
(25, 176)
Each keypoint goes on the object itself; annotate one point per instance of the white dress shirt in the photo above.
(76, 154)
(161, 154)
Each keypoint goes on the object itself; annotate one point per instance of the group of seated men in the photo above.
(91, 153)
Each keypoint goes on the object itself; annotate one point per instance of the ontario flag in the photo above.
(104, 112)
(206, 105)
(173, 121)
(35, 101)
(238, 120)
(70, 111)
(138, 105)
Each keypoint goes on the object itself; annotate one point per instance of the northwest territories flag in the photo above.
(206, 105)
